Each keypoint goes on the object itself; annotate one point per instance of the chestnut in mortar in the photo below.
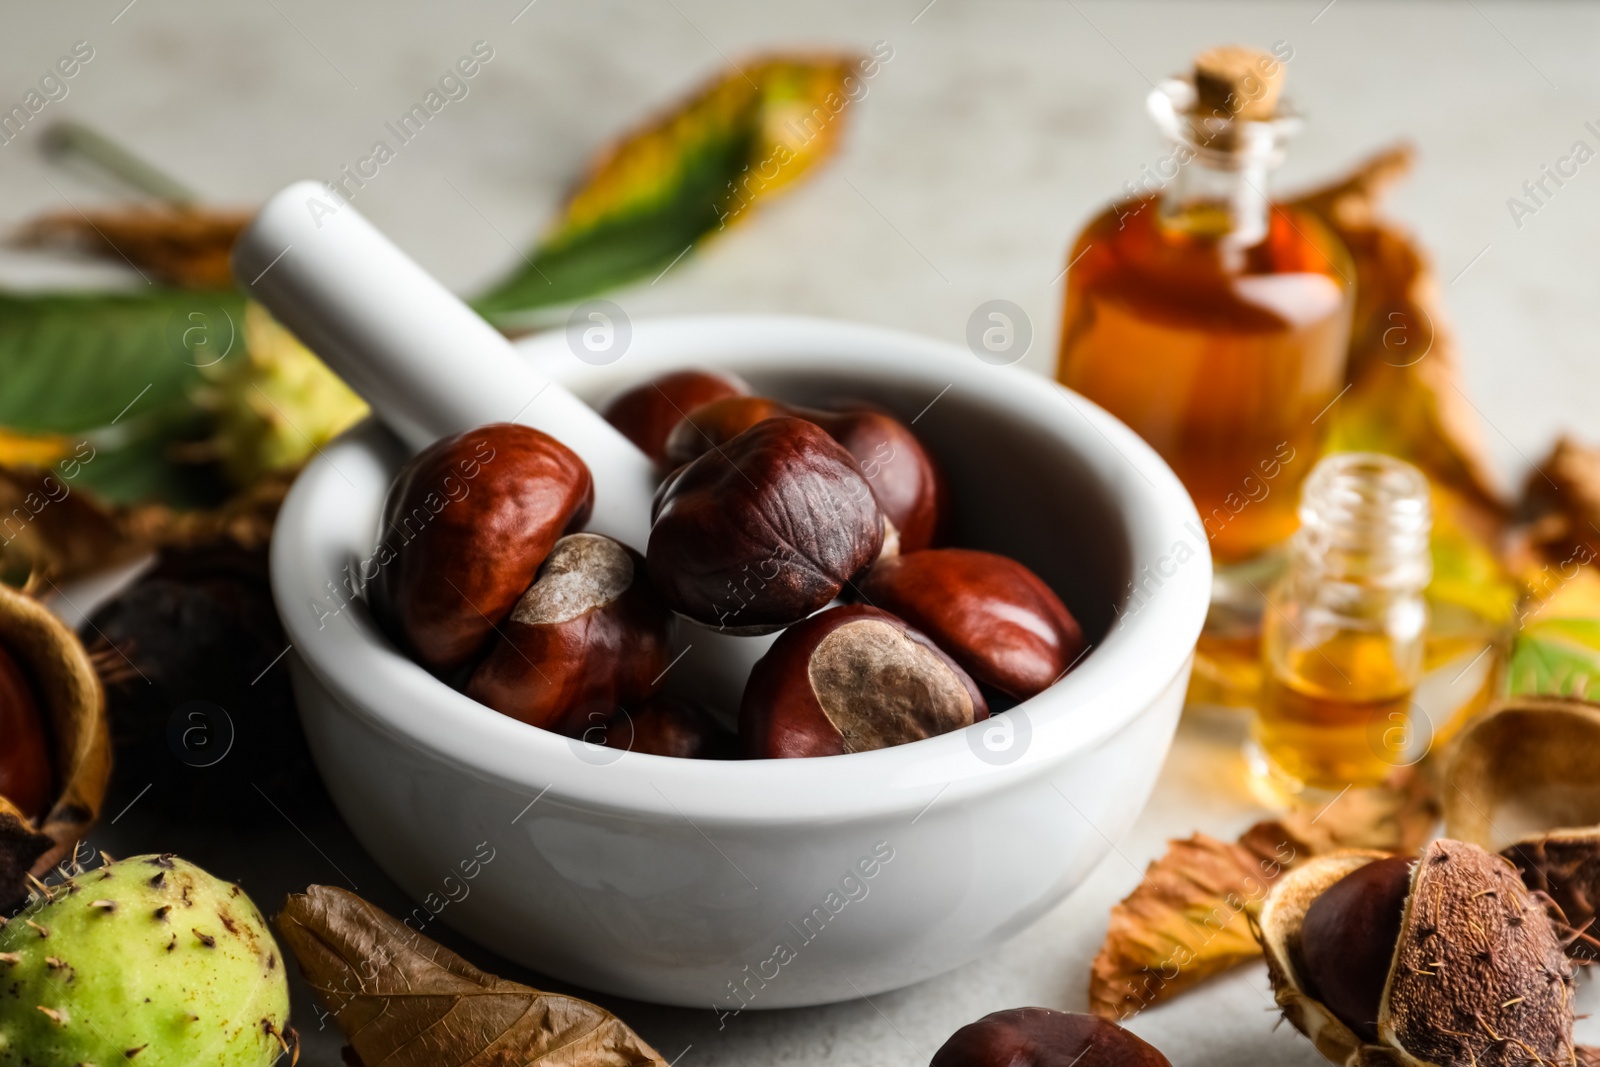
(465, 527)
(1348, 940)
(589, 635)
(27, 777)
(852, 679)
(909, 485)
(667, 726)
(763, 531)
(989, 613)
(647, 413)
(1039, 1037)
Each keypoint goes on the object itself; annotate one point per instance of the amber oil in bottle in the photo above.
(1208, 318)
(1343, 633)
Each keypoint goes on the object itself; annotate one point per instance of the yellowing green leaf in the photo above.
(701, 166)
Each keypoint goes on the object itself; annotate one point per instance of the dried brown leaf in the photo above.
(403, 1000)
(48, 532)
(187, 246)
(1186, 921)
(1189, 919)
(1399, 816)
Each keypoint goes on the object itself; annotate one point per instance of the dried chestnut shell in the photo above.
(587, 637)
(852, 679)
(465, 527)
(27, 775)
(647, 413)
(1348, 937)
(1039, 1037)
(667, 726)
(991, 614)
(765, 530)
(909, 486)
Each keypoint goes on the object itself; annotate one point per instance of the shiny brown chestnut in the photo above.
(1039, 1037)
(852, 679)
(466, 525)
(667, 726)
(647, 413)
(1348, 940)
(588, 636)
(909, 485)
(763, 531)
(27, 774)
(991, 614)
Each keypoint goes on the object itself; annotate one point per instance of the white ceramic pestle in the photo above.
(427, 363)
(431, 366)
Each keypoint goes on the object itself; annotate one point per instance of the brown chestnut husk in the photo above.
(647, 413)
(909, 486)
(63, 690)
(765, 530)
(1476, 973)
(466, 525)
(852, 679)
(588, 636)
(989, 613)
(1039, 1037)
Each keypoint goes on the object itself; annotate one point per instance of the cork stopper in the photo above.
(1231, 80)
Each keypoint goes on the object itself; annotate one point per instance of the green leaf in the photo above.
(682, 177)
(75, 362)
(1557, 657)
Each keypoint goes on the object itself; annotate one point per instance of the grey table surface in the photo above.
(990, 135)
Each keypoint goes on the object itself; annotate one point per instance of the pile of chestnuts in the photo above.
(766, 515)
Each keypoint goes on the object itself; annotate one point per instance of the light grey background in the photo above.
(992, 134)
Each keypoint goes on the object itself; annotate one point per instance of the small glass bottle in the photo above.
(1207, 317)
(1343, 633)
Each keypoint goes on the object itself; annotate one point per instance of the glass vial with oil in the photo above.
(1209, 318)
(1344, 630)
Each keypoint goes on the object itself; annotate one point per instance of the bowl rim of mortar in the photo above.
(1140, 656)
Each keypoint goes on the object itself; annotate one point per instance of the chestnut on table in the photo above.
(1039, 1037)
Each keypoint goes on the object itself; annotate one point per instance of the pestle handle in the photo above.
(428, 364)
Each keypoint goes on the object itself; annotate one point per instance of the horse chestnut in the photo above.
(990, 614)
(909, 486)
(588, 636)
(27, 778)
(1039, 1037)
(852, 679)
(647, 413)
(666, 726)
(1348, 937)
(466, 525)
(1448, 959)
(763, 531)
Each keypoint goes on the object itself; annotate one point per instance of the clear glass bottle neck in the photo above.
(1364, 527)
(1220, 190)
(1229, 203)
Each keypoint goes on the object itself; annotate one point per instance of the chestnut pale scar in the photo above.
(583, 572)
(880, 688)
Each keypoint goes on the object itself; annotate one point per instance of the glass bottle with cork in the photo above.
(1209, 318)
(1343, 634)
